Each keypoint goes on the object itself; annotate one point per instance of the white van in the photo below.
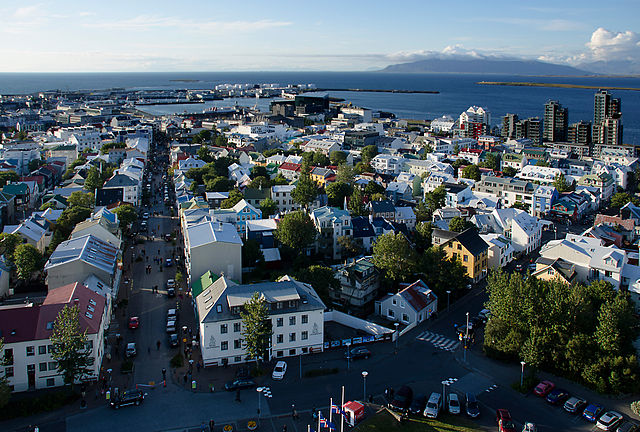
(433, 406)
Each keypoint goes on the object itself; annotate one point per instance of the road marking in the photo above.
(439, 341)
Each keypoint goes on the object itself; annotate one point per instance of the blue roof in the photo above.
(362, 227)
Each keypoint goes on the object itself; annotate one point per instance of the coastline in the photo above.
(557, 85)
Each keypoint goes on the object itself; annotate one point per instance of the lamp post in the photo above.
(348, 344)
(364, 385)
(397, 335)
(466, 338)
(259, 390)
(445, 383)
(522, 374)
(448, 292)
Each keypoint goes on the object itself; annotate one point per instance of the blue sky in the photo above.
(144, 35)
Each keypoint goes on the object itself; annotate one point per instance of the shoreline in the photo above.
(556, 85)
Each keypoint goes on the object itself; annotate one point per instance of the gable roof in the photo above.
(89, 249)
(418, 295)
(471, 241)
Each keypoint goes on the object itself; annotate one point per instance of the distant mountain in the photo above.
(613, 67)
(484, 66)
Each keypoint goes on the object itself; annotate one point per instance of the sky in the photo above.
(327, 35)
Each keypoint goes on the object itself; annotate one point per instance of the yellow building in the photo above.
(322, 175)
(550, 269)
(472, 252)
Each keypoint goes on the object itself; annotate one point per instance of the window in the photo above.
(224, 345)
(459, 247)
(51, 382)
(292, 320)
(279, 338)
(305, 319)
(292, 352)
(8, 372)
(237, 359)
(390, 313)
(43, 367)
(405, 317)
(237, 327)
(395, 302)
(305, 350)
(8, 356)
(31, 351)
(465, 258)
(292, 337)
(280, 322)
(279, 354)
(49, 349)
(53, 365)
(305, 335)
(237, 344)
(223, 328)
(42, 349)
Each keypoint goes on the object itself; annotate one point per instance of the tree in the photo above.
(338, 157)
(322, 280)
(393, 255)
(345, 174)
(296, 230)
(80, 199)
(260, 183)
(259, 171)
(204, 154)
(306, 190)
(256, 328)
(5, 391)
(7, 177)
(34, 164)
(70, 348)
(560, 183)
(433, 201)
(279, 180)
(471, 172)
(356, 204)
(8, 244)
(234, 198)
(368, 153)
(218, 184)
(221, 141)
(621, 199)
(127, 215)
(349, 246)
(251, 253)
(440, 273)
(492, 161)
(509, 171)
(27, 260)
(93, 180)
(423, 235)
(459, 224)
(373, 188)
(337, 192)
(268, 207)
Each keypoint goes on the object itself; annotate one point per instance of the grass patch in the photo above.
(26, 406)
(126, 367)
(383, 422)
(320, 372)
(177, 361)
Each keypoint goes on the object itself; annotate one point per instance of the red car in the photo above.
(544, 388)
(505, 424)
(134, 322)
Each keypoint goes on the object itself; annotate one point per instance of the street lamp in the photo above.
(397, 335)
(466, 338)
(444, 390)
(522, 374)
(364, 385)
(348, 344)
(259, 390)
(448, 292)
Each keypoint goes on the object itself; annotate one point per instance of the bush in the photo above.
(53, 400)
(126, 366)
(635, 407)
(177, 361)
(320, 372)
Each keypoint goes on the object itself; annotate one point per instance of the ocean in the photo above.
(456, 91)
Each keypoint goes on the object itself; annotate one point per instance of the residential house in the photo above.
(212, 246)
(34, 231)
(399, 191)
(387, 164)
(331, 224)
(359, 283)
(405, 215)
(516, 161)
(509, 190)
(322, 176)
(457, 195)
(602, 181)
(500, 251)
(410, 306)
(543, 199)
(382, 209)
(99, 228)
(363, 233)
(290, 171)
(472, 252)
(188, 163)
(524, 230)
(549, 269)
(281, 194)
(131, 187)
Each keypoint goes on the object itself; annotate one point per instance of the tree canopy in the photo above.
(393, 255)
(509, 171)
(81, 199)
(321, 278)
(336, 193)
(70, 348)
(27, 260)
(368, 153)
(459, 224)
(296, 230)
(338, 157)
(305, 191)
(268, 207)
(471, 172)
(560, 183)
(127, 215)
(234, 198)
(621, 199)
(256, 326)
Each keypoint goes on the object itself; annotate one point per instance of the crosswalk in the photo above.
(439, 341)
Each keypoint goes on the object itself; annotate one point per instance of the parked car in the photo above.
(402, 399)
(171, 292)
(543, 388)
(171, 283)
(473, 410)
(358, 353)
(171, 326)
(173, 340)
(239, 384)
(131, 350)
(167, 237)
(279, 370)
(557, 396)
(609, 420)
(433, 406)
(505, 423)
(168, 262)
(129, 397)
(574, 404)
(454, 404)
(134, 323)
(627, 427)
(418, 404)
(172, 315)
(592, 412)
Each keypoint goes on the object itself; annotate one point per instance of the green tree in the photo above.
(268, 207)
(260, 183)
(345, 174)
(350, 246)
(373, 188)
(5, 391)
(296, 230)
(27, 260)
(218, 184)
(93, 180)
(65, 224)
(356, 204)
(234, 198)
(251, 253)
(256, 328)
(440, 273)
(35, 164)
(279, 180)
(70, 348)
(621, 199)
(560, 183)
(509, 171)
(306, 190)
(368, 153)
(127, 215)
(8, 244)
(337, 192)
(321, 278)
(259, 171)
(204, 154)
(471, 172)
(7, 177)
(433, 201)
(492, 161)
(393, 255)
(80, 199)
(423, 235)
(338, 157)
(459, 224)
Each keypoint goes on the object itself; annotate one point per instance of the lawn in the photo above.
(383, 422)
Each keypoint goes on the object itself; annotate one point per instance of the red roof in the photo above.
(38, 179)
(418, 295)
(290, 166)
(18, 322)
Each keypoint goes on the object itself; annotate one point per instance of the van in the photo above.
(433, 406)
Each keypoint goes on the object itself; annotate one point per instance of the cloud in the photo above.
(146, 22)
(609, 45)
(28, 12)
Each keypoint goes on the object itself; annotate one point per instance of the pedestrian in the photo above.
(284, 428)
(238, 396)
(184, 378)
(212, 424)
(202, 427)
(158, 345)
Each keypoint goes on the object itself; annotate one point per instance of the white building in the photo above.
(411, 306)
(212, 246)
(281, 194)
(524, 230)
(500, 251)
(442, 124)
(387, 164)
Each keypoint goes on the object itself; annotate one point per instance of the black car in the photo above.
(627, 427)
(557, 396)
(473, 410)
(401, 400)
(358, 353)
(171, 292)
(239, 384)
(129, 397)
(173, 340)
(418, 404)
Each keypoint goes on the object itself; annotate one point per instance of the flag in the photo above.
(326, 423)
(335, 409)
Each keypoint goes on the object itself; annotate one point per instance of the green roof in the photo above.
(16, 188)
(205, 281)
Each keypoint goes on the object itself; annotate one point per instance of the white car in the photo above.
(279, 370)
(454, 404)
(171, 326)
(609, 420)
